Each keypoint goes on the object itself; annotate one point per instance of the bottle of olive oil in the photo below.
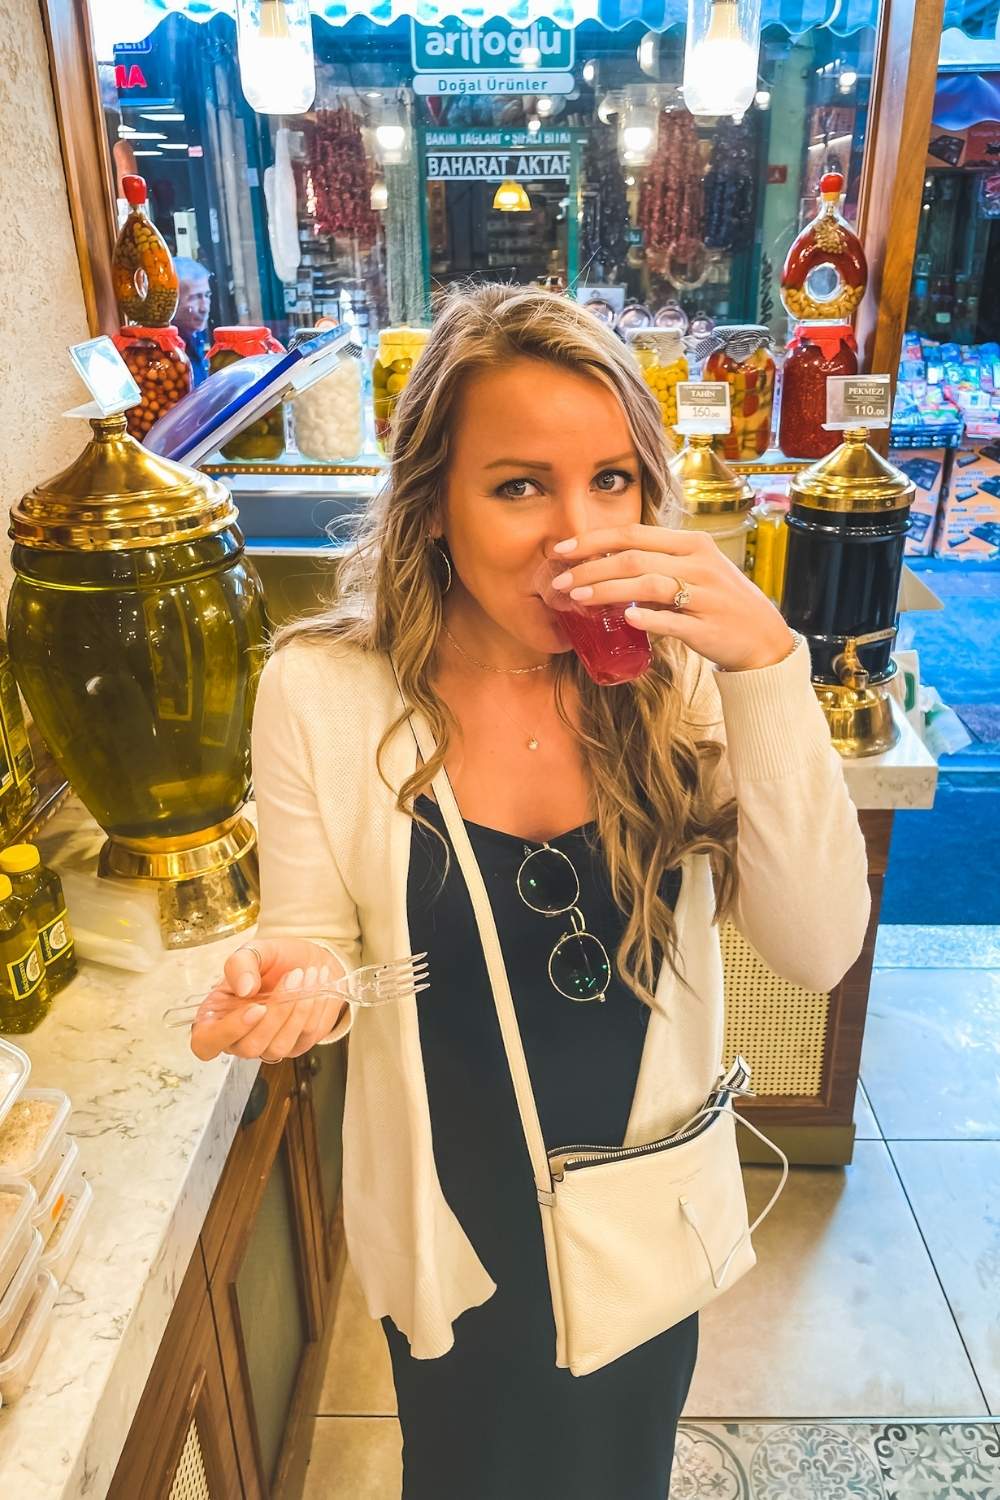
(24, 993)
(18, 792)
(41, 891)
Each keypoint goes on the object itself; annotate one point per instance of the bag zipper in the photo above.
(735, 1082)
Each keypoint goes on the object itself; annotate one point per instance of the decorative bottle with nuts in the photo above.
(825, 272)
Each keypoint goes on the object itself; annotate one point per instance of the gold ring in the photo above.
(683, 594)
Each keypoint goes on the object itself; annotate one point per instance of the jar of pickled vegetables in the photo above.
(660, 355)
(741, 357)
(160, 368)
(398, 351)
(264, 439)
(815, 352)
(142, 269)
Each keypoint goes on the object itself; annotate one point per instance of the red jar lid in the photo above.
(244, 340)
(134, 189)
(168, 339)
(831, 184)
(825, 336)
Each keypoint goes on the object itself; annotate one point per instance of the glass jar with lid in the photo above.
(264, 439)
(327, 416)
(161, 369)
(398, 351)
(660, 356)
(815, 352)
(741, 357)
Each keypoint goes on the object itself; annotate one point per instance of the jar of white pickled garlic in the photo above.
(327, 418)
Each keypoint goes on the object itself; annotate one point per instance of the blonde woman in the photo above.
(706, 787)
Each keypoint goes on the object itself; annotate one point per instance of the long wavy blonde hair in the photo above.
(651, 773)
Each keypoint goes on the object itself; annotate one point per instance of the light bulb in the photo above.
(637, 139)
(589, 72)
(530, 57)
(391, 137)
(544, 106)
(534, 126)
(762, 98)
(720, 67)
(847, 80)
(277, 65)
(647, 52)
(379, 197)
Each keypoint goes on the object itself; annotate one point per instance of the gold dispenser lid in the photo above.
(708, 486)
(853, 478)
(118, 496)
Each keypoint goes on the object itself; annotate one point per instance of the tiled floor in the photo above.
(860, 1360)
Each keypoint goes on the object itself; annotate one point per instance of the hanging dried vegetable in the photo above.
(341, 176)
(730, 189)
(671, 203)
(604, 240)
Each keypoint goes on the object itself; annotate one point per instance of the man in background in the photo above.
(194, 306)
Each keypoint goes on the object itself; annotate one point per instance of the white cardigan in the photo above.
(334, 859)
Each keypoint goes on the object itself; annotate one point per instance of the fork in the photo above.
(372, 984)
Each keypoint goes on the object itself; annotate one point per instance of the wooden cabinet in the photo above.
(228, 1406)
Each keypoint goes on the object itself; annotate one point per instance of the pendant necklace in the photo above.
(531, 742)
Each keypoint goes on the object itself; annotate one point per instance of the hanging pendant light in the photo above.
(277, 65)
(720, 56)
(511, 198)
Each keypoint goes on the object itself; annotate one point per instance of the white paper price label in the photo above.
(858, 401)
(703, 406)
(106, 376)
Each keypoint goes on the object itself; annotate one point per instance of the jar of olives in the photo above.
(264, 439)
(398, 351)
(160, 368)
(660, 355)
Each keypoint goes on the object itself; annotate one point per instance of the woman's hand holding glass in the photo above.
(233, 1019)
(724, 616)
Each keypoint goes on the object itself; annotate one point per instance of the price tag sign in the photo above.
(106, 376)
(703, 407)
(858, 401)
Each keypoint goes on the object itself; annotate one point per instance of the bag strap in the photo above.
(690, 1213)
(499, 983)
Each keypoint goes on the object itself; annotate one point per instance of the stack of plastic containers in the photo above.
(44, 1202)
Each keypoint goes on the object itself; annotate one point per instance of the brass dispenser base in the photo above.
(860, 719)
(208, 881)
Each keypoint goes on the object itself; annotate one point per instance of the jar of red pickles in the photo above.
(815, 352)
(160, 368)
(142, 269)
(264, 439)
(741, 356)
(825, 272)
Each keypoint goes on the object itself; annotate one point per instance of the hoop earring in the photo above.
(447, 562)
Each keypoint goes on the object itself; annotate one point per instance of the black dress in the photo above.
(494, 1418)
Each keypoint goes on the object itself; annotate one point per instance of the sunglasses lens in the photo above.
(579, 967)
(547, 881)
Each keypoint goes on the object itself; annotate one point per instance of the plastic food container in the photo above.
(33, 1136)
(327, 417)
(67, 1237)
(15, 1299)
(15, 1068)
(65, 1182)
(660, 356)
(18, 1202)
(18, 1364)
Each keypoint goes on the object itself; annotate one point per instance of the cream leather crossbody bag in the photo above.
(636, 1238)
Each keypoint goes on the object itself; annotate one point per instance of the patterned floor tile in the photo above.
(954, 1461)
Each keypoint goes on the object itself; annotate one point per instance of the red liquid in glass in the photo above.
(610, 648)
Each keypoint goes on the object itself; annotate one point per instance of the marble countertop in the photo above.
(154, 1127)
(903, 777)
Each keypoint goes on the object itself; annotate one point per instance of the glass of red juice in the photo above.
(611, 650)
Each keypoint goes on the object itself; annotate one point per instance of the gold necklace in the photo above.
(507, 671)
(532, 740)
